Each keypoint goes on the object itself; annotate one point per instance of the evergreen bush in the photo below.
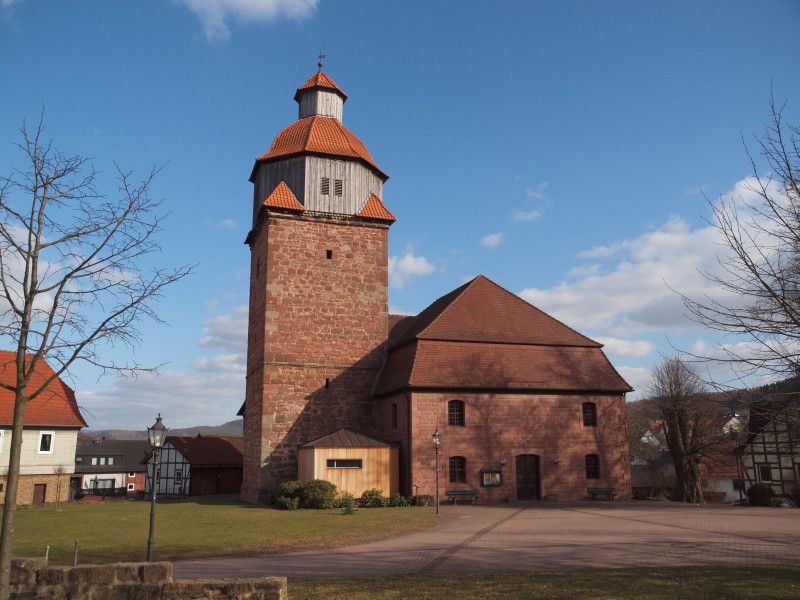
(373, 498)
(318, 494)
(347, 503)
(399, 500)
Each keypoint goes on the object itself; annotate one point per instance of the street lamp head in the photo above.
(157, 433)
(437, 438)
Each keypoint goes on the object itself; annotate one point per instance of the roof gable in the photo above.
(282, 197)
(56, 406)
(374, 209)
(482, 311)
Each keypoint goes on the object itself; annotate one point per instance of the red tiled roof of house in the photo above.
(320, 80)
(474, 365)
(481, 336)
(54, 407)
(374, 209)
(320, 135)
(209, 450)
(282, 197)
(482, 311)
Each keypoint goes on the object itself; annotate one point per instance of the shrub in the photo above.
(760, 495)
(423, 500)
(372, 499)
(318, 494)
(287, 489)
(347, 503)
(287, 503)
(399, 500)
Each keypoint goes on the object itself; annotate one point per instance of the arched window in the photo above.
(455, 413)
(458, 469)
(592, 466)
(589, 414)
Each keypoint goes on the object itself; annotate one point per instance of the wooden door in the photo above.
(528, 477)
(39, 493)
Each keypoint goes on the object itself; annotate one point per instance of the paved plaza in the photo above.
(546, 536)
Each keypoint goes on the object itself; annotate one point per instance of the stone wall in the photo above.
(500, 427)
(318, 319)
(131, 581)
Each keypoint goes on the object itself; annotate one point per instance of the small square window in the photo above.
(765, 473)
(94, 461)
(178, 476)
(338, 186)
(102, 460)
(111, 460)
(46, 442)
(455, 413)
(131, 474)
(325, 186)
(130, 487)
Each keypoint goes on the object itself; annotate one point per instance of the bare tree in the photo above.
(760, 265)
(679, 400)
(78, 275)
(58, 471)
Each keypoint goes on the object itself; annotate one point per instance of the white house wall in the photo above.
(33, 462)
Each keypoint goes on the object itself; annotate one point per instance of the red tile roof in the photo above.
(374, 209)
(209, 450)
(320, 80)
(282, 197)
(319, 135)
(54, 407)
(481, 336)
(482, 311)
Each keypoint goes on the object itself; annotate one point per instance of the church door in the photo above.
(528, 477)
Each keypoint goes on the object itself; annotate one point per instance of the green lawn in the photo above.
(118, 530)
(699, 583)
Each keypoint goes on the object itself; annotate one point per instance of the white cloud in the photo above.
(616, 347)
(226, 224)
(214, 14)
(492, 240)
(638, 378)
(527, 215)
(538, 191)
(404, 268)
(228, 332)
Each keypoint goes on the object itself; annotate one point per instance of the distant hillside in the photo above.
(234, 428)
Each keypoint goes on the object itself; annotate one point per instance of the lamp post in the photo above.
(437, 441)
(156, 433)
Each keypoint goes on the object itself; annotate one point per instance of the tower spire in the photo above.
(321, 58)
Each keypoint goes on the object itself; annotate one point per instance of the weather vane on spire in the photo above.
(321, 58)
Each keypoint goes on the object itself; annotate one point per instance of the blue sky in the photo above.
(563, 149)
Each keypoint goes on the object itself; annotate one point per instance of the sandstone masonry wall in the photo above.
(502, 426)
(318, 318)
(131, 581)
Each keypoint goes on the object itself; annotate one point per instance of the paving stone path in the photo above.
(546, 536)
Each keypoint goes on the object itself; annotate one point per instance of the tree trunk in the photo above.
(12, 487)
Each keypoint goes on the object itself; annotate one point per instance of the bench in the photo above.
(608, 492)
(454, 495)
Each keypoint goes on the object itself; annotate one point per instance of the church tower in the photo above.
(318, 287)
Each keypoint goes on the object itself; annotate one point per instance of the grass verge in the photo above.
(699, 583)
(117, 531)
